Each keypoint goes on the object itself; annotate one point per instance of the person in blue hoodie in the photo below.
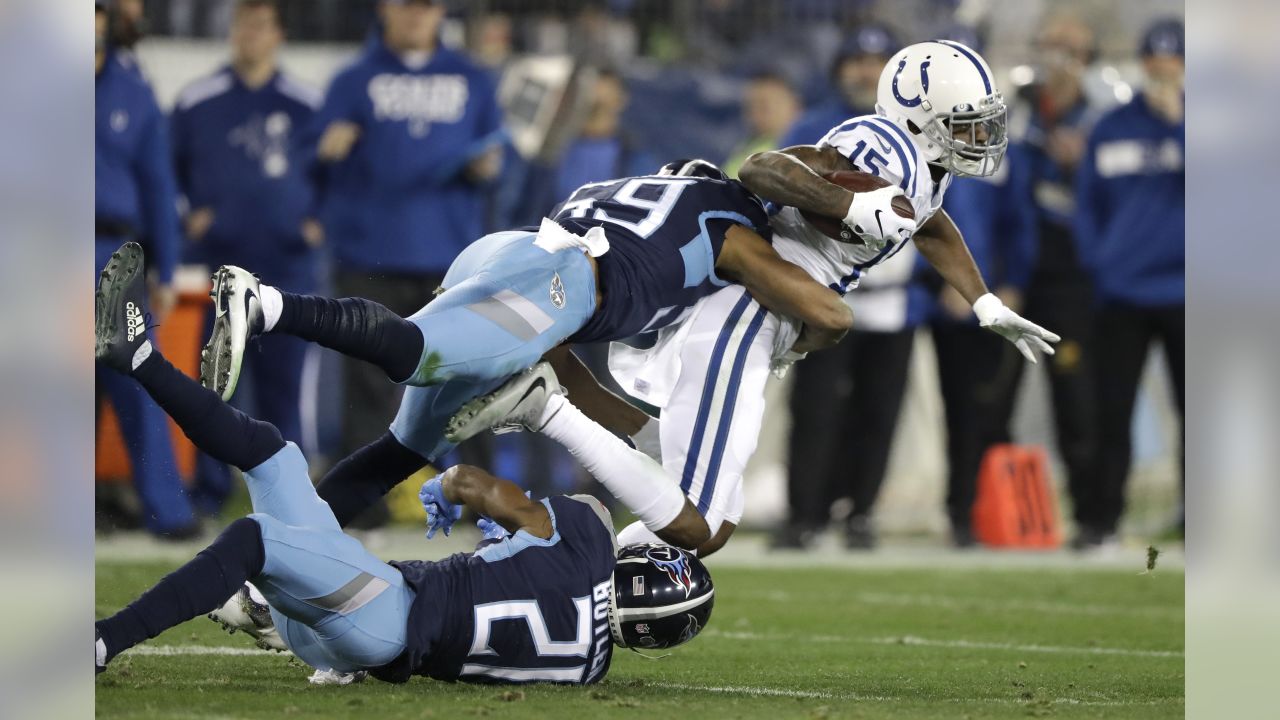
(864, 376)
(1052, 120)
(134, 198)
(249, 199)
(408, 138)
(854, 78)
(975, 375)
(1130, 226)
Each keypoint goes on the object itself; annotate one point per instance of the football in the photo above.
(855, 181)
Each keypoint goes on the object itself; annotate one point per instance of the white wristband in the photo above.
(987, 308)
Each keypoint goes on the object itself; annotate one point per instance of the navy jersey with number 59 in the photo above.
(522, 609)
(665, 233)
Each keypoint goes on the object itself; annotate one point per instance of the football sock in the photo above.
(358, 328)
(637, 480)
(221, 431)
(195, 589)
(272, 306)
(362, 478)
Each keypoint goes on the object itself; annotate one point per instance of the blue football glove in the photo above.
(441, 514)
(490, 529)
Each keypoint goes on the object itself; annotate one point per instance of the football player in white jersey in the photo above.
(938, 115)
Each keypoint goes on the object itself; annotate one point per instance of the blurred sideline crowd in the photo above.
(371, 186)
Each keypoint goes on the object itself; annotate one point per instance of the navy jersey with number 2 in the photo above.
(522, 609)
(665, 234)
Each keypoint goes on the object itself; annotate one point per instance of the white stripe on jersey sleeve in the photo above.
(206, 88)
(870, 143)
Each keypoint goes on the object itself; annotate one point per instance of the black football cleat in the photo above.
(121, 317)
(237, 318)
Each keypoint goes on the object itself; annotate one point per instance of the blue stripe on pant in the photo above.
(705, 408)
(336, 605)
(508, 302)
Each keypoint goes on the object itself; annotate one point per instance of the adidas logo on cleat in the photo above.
(134, 320)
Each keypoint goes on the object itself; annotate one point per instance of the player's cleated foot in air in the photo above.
(120, 322)
(237, 317)
(249, 612)
(517, 405)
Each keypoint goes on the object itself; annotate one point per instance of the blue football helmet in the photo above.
(662, 597)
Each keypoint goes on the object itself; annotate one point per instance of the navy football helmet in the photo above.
(692, 168)
(662, 597)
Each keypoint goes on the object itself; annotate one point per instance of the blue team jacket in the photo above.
(400, 202)
(233, 153)
(996, 215)
(133, 181)
(1131, 208)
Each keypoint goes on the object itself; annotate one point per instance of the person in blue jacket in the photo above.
(408, 138)
(1052, 120)
(1130, 226)
(854, 78)
(996, 216)
(134, 198)
(249, 198)
(862, 377)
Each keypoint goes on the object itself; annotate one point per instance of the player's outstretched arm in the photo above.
(781, 286)
(500, 500)
(941, 243)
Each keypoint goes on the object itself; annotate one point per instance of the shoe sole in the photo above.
(484, 412)
(223, 356)
(121, 270)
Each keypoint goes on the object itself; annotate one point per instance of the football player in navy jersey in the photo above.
(619, 257)
(544, 600)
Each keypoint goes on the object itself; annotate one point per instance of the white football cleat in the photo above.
(237, 306)
(249, 612)
(334, 677)
(517, 405)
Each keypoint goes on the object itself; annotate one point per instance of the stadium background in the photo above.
(685, 64)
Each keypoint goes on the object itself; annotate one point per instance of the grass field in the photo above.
(951, 637)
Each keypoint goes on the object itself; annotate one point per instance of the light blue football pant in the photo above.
(336, 606)
(507, 303)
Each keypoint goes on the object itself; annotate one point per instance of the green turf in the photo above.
(807, 643)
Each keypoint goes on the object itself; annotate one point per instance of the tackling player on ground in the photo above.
(543, 600)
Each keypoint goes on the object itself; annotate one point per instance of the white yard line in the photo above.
(929, 642)
(967, 604)
(746, 690)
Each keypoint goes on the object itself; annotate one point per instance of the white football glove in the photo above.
(1024, 334)
(871, 217)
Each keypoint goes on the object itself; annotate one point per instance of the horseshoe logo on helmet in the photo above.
(924, 84)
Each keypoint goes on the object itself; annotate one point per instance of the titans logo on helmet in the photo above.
(672, 562)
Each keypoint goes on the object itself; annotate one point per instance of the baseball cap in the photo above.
(1164, 37)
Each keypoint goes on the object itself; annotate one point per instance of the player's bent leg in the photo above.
(711, 422)
(519, 303)
(362, 478)
(336, 605)
(281, 487)
(424, 413)
(121, 342)
(195, 589)
(356, 327)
